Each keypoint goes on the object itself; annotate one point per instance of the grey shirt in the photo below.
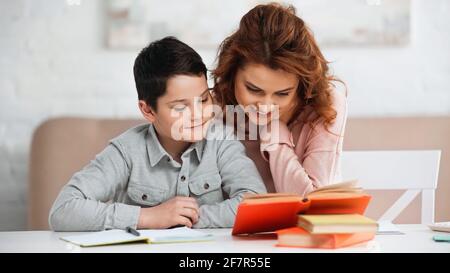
(135, 171)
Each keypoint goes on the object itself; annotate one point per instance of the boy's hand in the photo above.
(179, 210)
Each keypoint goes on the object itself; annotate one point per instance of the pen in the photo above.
(132, 231)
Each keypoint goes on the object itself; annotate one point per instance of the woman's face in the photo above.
(262, 90)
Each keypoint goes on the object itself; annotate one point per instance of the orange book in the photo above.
(268, 212)
(273, 211)
(298, 237)
(339, 204)
(338, 198)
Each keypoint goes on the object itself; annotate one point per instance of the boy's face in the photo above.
(183, 113)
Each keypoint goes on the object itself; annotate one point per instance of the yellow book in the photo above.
(337, 223)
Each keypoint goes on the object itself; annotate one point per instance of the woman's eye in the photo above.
(253, 89)
(282, 94)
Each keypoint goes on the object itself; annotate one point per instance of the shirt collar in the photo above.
(198, 147)
(156, 152)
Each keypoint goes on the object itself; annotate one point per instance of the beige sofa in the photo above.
(62, 146)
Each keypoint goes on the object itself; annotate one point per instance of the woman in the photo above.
(273, 60)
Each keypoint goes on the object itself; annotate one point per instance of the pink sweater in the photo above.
(303, 159)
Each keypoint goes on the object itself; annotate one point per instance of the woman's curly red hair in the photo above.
(273, 35)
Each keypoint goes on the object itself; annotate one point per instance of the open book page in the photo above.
(116, 236)
(343, 188)
(175, 235)
(347, 187)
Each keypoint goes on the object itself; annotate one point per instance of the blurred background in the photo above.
(75, 58)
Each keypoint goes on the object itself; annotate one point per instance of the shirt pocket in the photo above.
(207, 188)
(147, 195)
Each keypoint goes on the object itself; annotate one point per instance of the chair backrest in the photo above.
(60, 147)
(415, 171)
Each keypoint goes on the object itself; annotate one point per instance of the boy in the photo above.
(165, 173)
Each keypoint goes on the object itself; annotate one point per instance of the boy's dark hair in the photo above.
(161, 60)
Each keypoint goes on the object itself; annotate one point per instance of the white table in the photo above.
(417, 238)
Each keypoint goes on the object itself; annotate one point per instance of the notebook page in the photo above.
(107, 237)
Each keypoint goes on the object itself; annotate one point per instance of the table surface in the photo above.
(417, 238)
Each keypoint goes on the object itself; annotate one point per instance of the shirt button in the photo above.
(144, 197)
(206, 186)
(183, 178)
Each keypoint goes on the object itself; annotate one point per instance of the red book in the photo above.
(298, 237)
(273, 211)
(268, 212)
(338, 204)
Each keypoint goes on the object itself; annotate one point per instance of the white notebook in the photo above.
(150, 236)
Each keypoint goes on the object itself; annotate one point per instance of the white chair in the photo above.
(414, 171)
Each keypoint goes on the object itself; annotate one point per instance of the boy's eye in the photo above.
(207, 97)
(179, 108)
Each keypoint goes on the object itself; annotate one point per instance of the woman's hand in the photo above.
(179, 210)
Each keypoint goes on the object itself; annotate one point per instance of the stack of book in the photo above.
(328, 231)
(329, 217)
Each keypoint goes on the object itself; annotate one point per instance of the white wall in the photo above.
(52, 63)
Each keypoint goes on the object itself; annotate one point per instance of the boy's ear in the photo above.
(147, 111)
